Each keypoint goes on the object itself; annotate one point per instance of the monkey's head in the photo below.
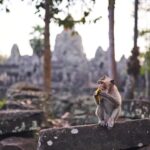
(105, 83)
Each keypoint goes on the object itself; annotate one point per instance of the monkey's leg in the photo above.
(113, 117)
(100, 114)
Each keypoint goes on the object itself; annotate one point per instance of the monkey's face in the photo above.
(105, 83)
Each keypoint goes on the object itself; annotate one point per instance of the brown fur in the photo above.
(110, 106)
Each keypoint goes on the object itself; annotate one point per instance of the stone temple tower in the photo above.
(68, 52)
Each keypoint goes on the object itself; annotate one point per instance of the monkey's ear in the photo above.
(103, 77)
(112, 81)
(98, 82)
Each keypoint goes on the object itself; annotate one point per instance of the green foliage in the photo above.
(68, 22)
(56, 8)
(144, 32)
(96, 19)
(37, 45)
(1, 1)
(146, 65)
(146, 56)
(38, 29)
(37, 41)
(2, 103)
(4, 5)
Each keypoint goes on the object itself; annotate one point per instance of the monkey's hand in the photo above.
(98, 91)
(97, 96)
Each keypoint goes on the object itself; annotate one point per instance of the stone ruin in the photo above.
(19, 68)
(71, 70)
(69, 63)
(18, 124)
(28, 68)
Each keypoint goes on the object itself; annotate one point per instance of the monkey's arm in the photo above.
(110, 98)
(97, 98)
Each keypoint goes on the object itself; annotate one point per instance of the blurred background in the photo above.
(53, 52)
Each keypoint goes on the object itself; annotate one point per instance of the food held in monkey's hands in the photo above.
(97, 95)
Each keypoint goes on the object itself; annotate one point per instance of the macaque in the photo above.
(108, 100)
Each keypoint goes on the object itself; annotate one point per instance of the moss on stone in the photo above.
(2, 103)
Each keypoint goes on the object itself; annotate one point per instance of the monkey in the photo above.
(108, 101)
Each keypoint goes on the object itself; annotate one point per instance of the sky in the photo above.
(16, 26)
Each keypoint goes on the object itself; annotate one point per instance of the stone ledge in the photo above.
(14, 121)
(124, 135)
(18, 143)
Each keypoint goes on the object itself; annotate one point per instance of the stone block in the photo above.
(18, 143)
(124, 135)
(14, 121)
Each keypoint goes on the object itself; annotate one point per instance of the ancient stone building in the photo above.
(22, 68)
(70, 68)
(99, 64)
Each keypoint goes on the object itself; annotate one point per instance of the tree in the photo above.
(145, 69)
(133, 63)
(47, 51)
(112, 69)
(37, 41)
(145, 33)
